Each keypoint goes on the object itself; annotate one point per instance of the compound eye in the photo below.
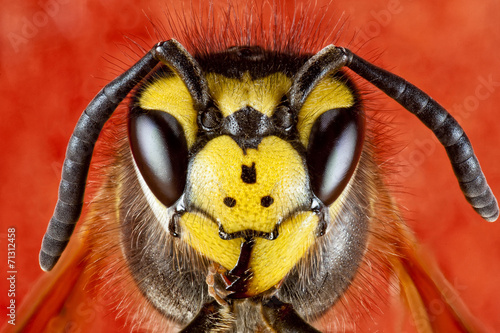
(333, 152)
(160, 152)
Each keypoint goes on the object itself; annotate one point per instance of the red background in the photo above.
(48, 74)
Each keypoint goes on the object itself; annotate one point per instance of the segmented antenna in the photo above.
(451, 135)
(81, 145)
(78, 156)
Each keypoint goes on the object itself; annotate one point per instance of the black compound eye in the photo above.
(160, 151)
(211, 118)
(335, 145)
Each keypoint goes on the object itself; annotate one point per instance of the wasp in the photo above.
(245, 193)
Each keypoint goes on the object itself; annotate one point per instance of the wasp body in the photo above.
(246, 193)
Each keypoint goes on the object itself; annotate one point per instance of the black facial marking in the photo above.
(230, 202)
(266, 201)
(249, 174)
(247, 127)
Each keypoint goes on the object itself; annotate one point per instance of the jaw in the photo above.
(267, 261)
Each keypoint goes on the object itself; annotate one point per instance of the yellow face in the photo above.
(258, 191)
(235, 193)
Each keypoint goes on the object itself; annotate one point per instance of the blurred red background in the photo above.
(55, 55)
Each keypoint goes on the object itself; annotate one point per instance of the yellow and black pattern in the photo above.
(248, 197)
(242, 183)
